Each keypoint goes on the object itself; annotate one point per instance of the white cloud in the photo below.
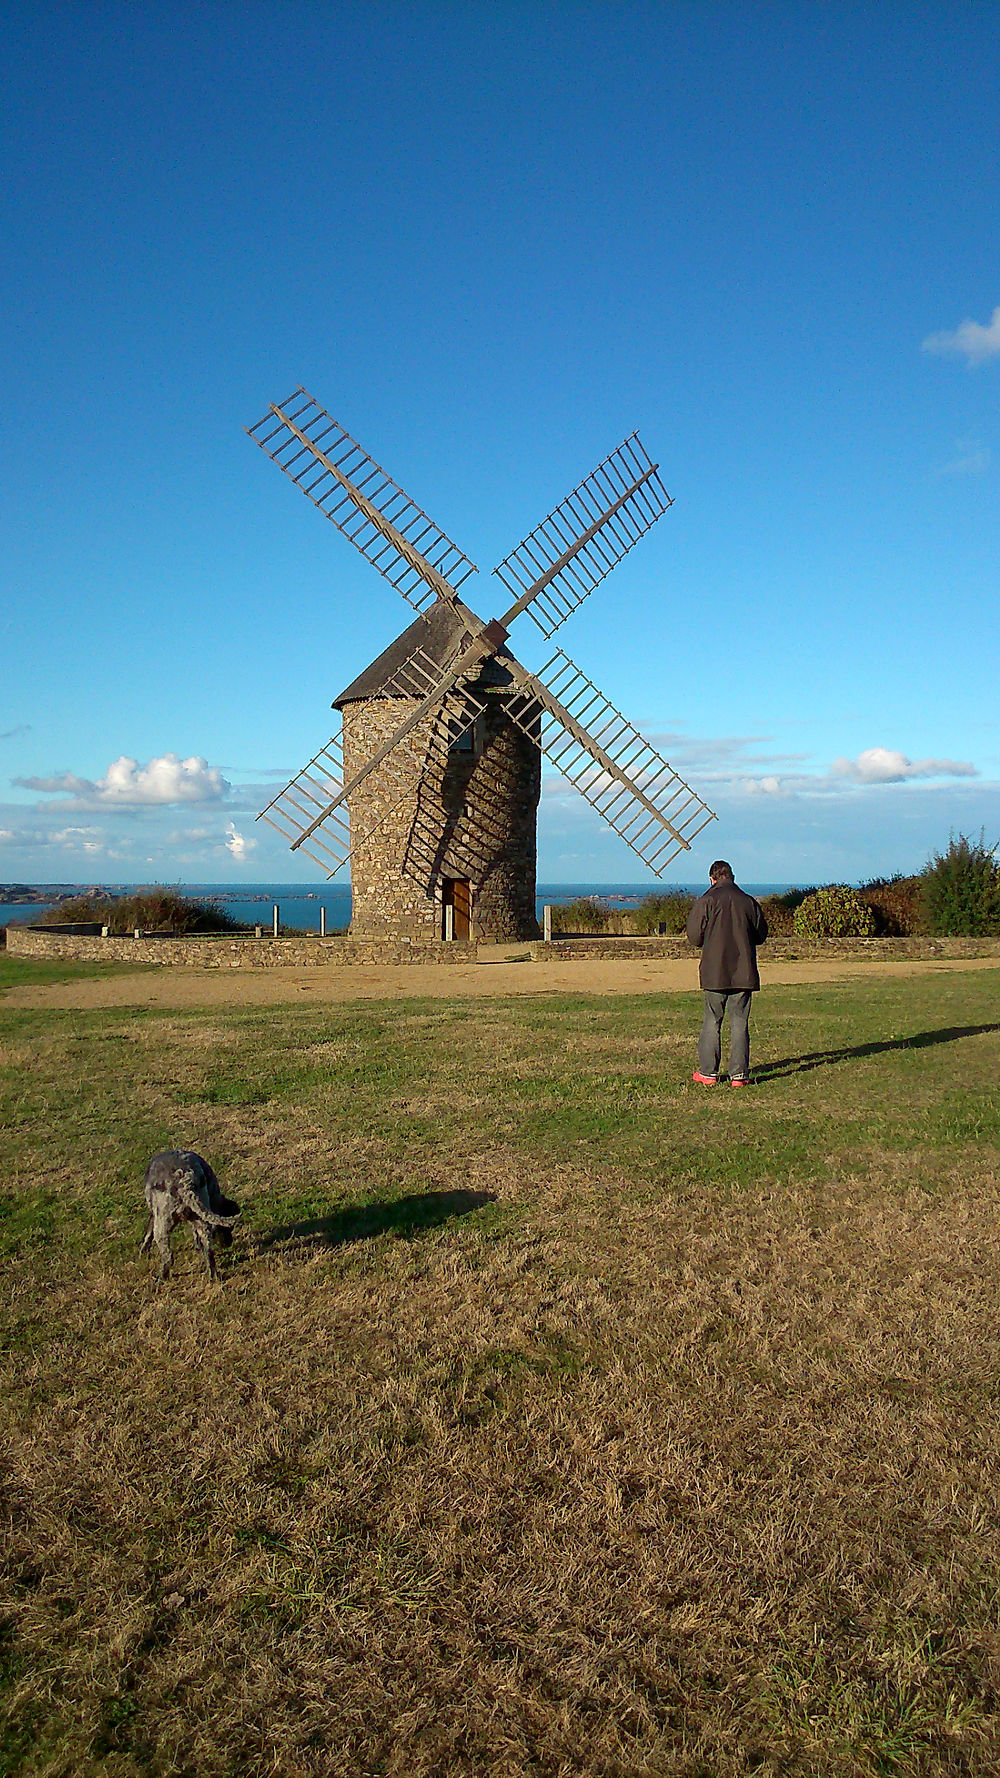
(734, 766)
(6, 835)
(189, 836)
(714, 752)
(237, 844)
(884, 765)
(127, 784)
(60, 783)
(970, 341)
(70, 839)
(79, 839)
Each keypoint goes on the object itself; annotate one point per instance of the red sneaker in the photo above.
(704, 1080)
(739, 1080)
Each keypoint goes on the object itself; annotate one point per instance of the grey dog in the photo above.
(181, 1187)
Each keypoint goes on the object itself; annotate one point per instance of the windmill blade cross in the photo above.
(550, 574)
(355, 493)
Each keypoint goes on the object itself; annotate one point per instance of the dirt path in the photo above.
(497, 976)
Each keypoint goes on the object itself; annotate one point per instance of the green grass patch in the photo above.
(552, 1414)
(16, 972)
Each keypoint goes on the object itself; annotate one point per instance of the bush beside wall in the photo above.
(957, 894)
(961, 889)
(151, 910)
(897, 905)
(834, 912)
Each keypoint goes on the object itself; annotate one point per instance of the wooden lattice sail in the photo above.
(433, 779)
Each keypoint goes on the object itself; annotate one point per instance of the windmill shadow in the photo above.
(364, 1222)
(855, 1052)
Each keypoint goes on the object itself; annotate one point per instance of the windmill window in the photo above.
(468, 741)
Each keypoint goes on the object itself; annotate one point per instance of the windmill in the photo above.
(431, 784)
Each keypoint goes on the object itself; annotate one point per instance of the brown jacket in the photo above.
(727, 925)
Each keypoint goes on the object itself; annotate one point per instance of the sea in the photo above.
(299, 904)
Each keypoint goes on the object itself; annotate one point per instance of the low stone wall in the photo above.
(309, 951)
(228, 952)
(788, 949)
(776, 949)
(783, 950)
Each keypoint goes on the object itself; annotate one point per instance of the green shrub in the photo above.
(584, 915)
(778, 915)
(670, 909)
(834, 912)
(151, 910)
(896, 903)
(961, 889)
(779, 911)
(793, 898)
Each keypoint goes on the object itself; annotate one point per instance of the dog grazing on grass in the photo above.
(181, 1187)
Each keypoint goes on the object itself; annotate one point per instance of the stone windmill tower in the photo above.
(431, 785)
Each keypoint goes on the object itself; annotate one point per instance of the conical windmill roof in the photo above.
(439, 632)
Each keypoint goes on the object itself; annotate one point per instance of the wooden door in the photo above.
(463, 909)
(456, 894)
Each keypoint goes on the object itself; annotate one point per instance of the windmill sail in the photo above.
(391, 530)
(308, 797)
(311, 811)
(570, 552)
(549, 575)
(593, 746)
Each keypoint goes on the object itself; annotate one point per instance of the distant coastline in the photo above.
(27, 894)
(301, 904)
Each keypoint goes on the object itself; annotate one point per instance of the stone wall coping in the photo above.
(231, 950)
(244, 951)
(785, 950)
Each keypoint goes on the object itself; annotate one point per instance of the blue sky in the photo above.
(492, 240)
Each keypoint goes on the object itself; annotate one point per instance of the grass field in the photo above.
(553, 1416)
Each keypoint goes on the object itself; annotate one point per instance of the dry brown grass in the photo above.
(663, 1440)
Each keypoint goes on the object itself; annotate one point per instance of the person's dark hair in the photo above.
(720, 871)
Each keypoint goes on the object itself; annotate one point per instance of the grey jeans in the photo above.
(735, 1002)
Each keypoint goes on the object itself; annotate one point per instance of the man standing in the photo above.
(727, 926)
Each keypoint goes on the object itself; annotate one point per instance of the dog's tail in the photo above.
(201, 1213)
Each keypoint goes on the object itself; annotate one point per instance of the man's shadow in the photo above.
(363, 1222)
(823, 1058)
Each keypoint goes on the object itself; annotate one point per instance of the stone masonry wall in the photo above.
(783, 950)
(415, 822)
(226, 952)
